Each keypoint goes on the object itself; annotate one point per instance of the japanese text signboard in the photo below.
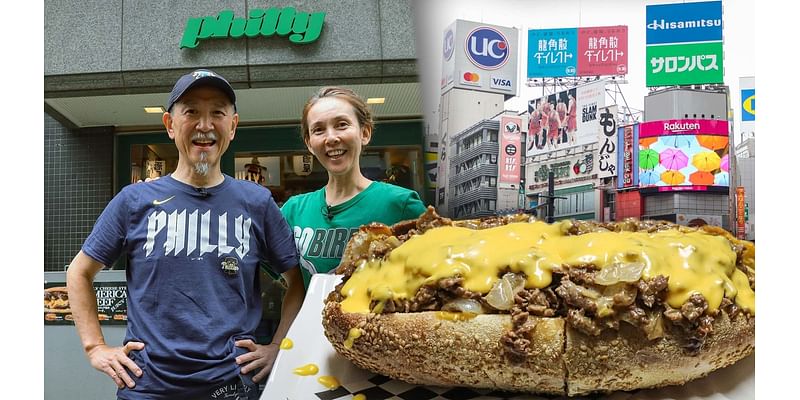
(684, 64)
(603, 50)
(684, 43)
(740, 220)
(552, 52)
(627, 156)
(587, 51)
(607, 140)
(510, 151)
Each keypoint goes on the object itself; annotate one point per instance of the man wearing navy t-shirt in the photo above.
(194, 241)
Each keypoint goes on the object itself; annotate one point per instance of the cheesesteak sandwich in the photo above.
(568, 308)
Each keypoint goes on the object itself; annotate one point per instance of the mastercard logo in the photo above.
(471, 77)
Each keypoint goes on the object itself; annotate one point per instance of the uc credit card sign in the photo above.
(481, 57)
(552, 52)
(684, 22)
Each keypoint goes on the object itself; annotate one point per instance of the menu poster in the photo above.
(112, 303)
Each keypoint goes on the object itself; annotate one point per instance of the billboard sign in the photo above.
(607, 140)
(448, 62)
(487, 48)
(748, 105)
(480, 57)
(684, 22)
(627, 156)
(747, 85)
(568, 170)
(683, 127)
(681, 161)
(740, 222)
(565, 119)
(684, 64)
(603, 50)
(510, 151)
(552, 52)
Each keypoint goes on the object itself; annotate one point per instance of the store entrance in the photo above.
(287, 173)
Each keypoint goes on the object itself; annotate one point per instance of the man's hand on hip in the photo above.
(259, 356)
(114, 362)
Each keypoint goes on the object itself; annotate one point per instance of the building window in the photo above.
(575, 203)
(492, 181)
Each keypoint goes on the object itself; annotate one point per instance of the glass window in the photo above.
(152, 161)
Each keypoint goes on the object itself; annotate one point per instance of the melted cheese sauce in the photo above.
(352, 335)
(455, 316)
(305, 370)
(329, 382)
(695, 262)
(286, 344)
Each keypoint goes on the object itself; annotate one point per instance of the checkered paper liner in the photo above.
(379, 387)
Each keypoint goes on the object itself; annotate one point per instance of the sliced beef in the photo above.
(571, 294)
(653, 290)
(578, 320)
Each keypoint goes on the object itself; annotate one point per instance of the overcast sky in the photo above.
(434, 16)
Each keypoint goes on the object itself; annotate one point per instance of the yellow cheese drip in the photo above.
(308, 369)
(329, 382)
(286, 344)
(359, 397)
(352, 335)
(695, 262)
(455, 316)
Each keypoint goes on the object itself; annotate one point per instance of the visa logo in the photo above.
(501, 83)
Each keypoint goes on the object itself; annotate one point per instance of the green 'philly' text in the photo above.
(301, 27)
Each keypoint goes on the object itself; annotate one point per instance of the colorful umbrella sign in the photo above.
(712, 142)
(646, 142)
(648, 178)
(701, 178)
(648, 159)
(679, 142)
(723, 164)
(673, 159)
(706, 161)
(722, 179)
(672, 177)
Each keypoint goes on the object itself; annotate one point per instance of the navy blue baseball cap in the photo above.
(200, 77)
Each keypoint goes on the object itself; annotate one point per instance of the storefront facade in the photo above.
(105, 61)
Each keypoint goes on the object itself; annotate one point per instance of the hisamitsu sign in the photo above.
(300, 27)
(684, 22)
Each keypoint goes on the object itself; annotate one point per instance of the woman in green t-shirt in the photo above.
(336, 125)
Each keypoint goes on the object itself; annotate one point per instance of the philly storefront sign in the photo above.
(300, 27)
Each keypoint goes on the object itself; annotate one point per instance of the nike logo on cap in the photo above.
(159, 202)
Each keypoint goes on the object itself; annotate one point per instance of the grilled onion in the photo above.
(502, 294)
(619, 272)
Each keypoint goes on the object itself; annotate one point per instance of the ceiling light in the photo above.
(154, 110)
(376, 100)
